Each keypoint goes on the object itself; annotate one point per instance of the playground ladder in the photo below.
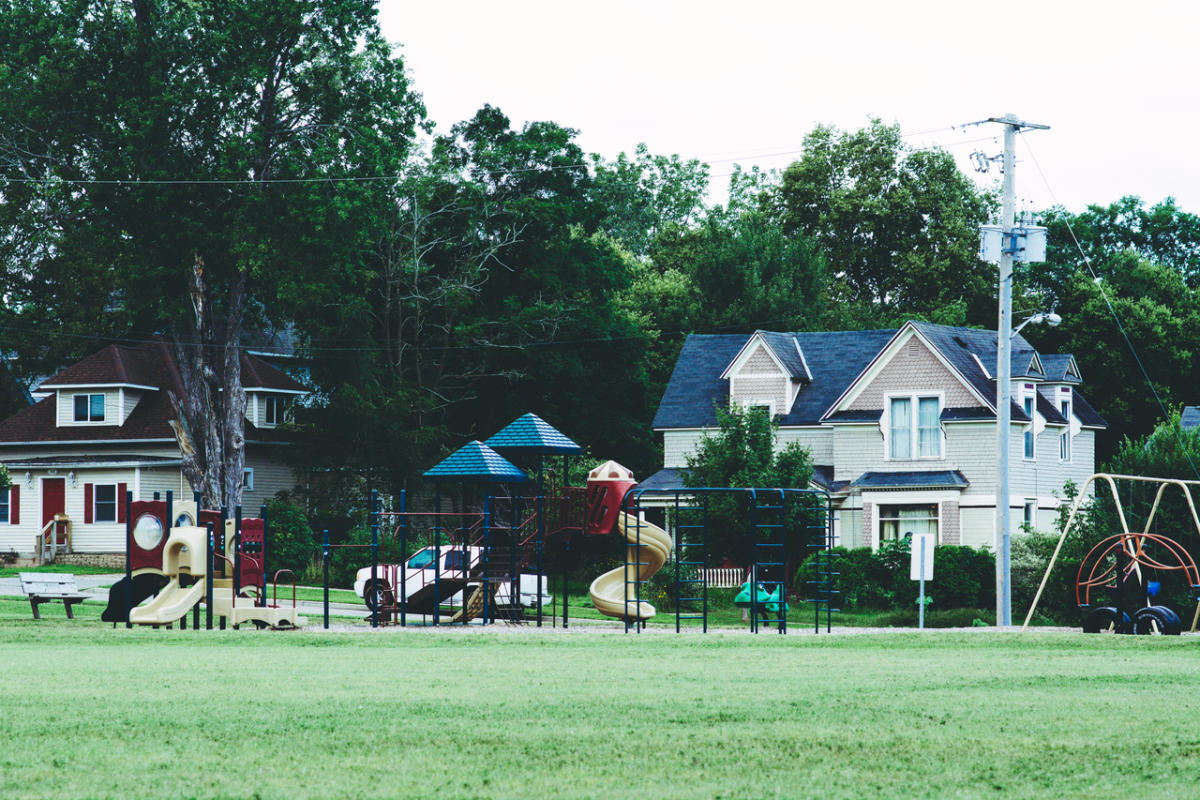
(691, 550)
(769, 523)
(821, 545)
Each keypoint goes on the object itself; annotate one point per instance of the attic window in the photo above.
(89, 408)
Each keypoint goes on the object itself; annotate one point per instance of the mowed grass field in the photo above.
(89, 711)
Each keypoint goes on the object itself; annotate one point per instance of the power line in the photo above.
(139, 182)
(1113, 311)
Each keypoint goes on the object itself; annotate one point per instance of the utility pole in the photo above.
(1004, 334)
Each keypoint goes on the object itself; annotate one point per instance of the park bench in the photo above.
(46, 587)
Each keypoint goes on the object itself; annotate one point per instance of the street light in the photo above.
(1003, 493)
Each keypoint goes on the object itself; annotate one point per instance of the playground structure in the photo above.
(1122, 566)
(511, 540)
(180, 556)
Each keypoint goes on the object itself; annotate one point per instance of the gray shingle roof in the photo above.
(783, 345)
(936, 479)
(1056, 366)
(836, 359)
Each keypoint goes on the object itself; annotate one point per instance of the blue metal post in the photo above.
(375, 558)
(325, 565)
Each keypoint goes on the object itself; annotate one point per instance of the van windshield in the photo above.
(422, 560)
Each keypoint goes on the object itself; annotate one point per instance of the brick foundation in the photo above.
(114, 560)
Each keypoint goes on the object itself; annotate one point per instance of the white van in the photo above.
(420, 573)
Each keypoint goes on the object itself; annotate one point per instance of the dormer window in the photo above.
(272, 410)
(89, 408)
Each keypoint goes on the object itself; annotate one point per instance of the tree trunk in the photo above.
(210, 423)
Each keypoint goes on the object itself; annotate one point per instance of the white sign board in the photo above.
(922, 570)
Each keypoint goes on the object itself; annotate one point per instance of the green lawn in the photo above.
(88, 711)
(71, 569)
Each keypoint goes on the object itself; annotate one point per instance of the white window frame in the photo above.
(880, 519)
(248, 479)
(89, 419)
(1029, 517)
(1064, 439)
(269, 403)
(1029, 439)
(914, 426)
(96, 487)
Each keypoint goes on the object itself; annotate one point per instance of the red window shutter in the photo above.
(14, 506)
(121, 490)
(87, 502)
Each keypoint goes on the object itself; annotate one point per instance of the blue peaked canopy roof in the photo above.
(531, 432)
(475, 462)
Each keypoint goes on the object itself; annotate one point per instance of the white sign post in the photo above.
(922, 568)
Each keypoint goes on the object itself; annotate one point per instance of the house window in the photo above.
(274, 410)
(248, 479)
(1028, 405)
(89, 408)
(902, 522)
(4, 506)
(105, 503)
(914, 427)
(1064, 439)
(1030, 514)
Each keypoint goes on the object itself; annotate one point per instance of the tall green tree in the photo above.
(191, 168)
(899, 227)
(490, 293)
(648, 194)
(742, 454)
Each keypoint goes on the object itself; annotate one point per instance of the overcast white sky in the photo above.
(1119, 83)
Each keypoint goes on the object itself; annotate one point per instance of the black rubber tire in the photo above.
(1156, 619)
(1149, 620)
(1106, 619)
(373, 593)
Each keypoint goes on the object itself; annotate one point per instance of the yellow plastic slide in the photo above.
(184, 553)
(608, 592)
(168, 605)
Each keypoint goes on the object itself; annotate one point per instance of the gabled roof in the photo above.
(837, 359)
(782, 347)
(696, 387)
(1061, 368)
(150, 366)
(531, 432)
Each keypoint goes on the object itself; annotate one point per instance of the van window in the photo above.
(454, 560)
(422, 560)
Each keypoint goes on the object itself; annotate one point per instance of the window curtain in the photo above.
(900, 425)
(928, 423)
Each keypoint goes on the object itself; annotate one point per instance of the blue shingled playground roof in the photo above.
(475, 462)
(531, 432)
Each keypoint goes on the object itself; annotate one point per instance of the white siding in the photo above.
(679, 444)
(978, 527)
(66, 408)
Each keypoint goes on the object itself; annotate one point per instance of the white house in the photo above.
(103, 427)
(901, 424)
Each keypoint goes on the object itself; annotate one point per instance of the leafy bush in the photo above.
(944, 618)
(963, 577)
(291, 544)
